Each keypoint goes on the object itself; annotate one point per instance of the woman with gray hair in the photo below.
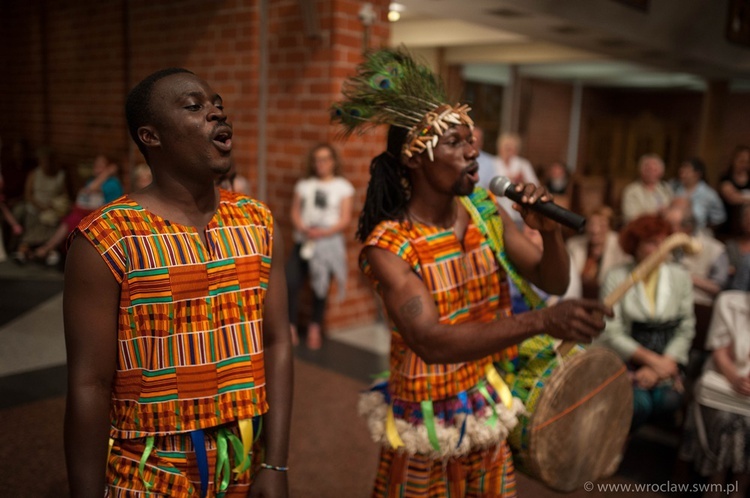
(649, 194)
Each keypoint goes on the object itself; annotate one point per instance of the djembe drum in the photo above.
(579, 413)
(579, 410)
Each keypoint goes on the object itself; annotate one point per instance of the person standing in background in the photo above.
(321, 212)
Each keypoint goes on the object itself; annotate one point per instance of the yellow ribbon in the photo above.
(246, 433)
(499, 385)
(390, 430)
(109, 451)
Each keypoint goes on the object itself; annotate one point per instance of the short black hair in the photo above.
(138, 110)
(698, 166)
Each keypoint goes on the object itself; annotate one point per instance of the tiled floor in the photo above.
(32, 373)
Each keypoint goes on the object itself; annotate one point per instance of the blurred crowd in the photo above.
(42, 200)
(683, 328)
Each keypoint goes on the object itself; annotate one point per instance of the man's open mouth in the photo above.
(223, 140)
(473, 172)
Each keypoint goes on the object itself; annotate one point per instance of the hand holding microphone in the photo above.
(502, 186)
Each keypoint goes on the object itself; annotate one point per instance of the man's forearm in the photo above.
(279, 380)
(554, 268)
(86, 440)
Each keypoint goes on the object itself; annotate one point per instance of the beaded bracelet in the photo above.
(264, 465)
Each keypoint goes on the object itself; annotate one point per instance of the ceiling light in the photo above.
(394, 11)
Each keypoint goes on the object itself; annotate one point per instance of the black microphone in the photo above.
(501, 186)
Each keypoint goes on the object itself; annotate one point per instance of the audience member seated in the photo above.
(709, 268)
(654, 323)
(7, 218)
(717, 430)
(557, 179)
(233, 182)
(16, 162)
(589, 193)
(738, 249)
(511, 165)
(46, 201)
(734, 189)
(485, 160)
(518, 303)
(102, 187)
(596, 251)
(142, 177)
(708, 210)
(649, 194)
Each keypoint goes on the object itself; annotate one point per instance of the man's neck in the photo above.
(179, 203)
(442, 214)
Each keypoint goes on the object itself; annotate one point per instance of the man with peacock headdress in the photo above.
(439, 251)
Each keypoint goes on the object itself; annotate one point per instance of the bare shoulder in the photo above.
(387, 267)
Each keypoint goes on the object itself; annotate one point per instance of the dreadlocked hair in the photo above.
(389, 188)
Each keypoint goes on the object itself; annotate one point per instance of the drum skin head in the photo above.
(581, 421)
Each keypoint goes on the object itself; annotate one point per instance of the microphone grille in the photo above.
(499, 185)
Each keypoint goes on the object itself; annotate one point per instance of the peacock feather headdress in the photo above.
(391, 88)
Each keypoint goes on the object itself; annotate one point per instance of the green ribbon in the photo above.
(428, 415)
(484, 214)
(223, 470)
(382, 375)
(482, 387)
(260, 429)
(141, 466)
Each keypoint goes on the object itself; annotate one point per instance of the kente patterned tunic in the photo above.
(190, 329)
(467, 285)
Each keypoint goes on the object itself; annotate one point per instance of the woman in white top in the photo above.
(321, 212)
(717, 440)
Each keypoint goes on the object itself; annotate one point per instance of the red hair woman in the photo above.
(654, 322)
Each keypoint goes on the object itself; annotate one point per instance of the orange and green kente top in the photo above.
(467, 285)
(190, 327)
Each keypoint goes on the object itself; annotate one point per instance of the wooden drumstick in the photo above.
(644, 269)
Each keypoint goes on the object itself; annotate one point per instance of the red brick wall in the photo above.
(73, 62)
(305, 78)
(65, 88)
